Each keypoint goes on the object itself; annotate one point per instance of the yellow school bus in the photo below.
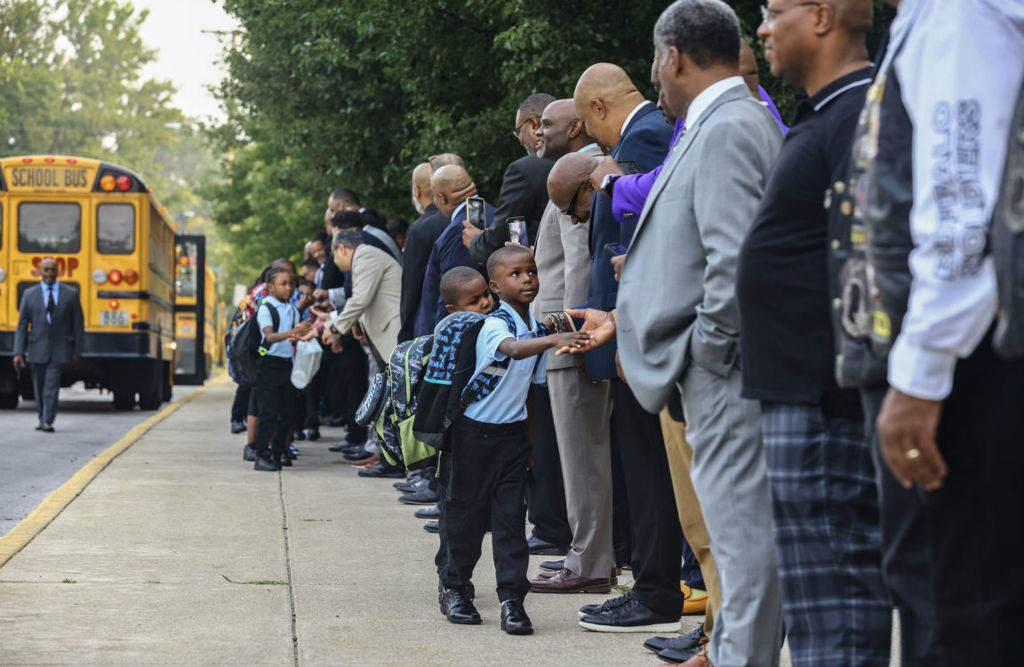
(197, 319)
(113, 241)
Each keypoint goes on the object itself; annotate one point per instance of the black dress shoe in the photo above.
(237, 427)
(425, 497)
(539, 547)
(691, 640)
(265, 464)
(553, 565)
(298, 435)
(47, 428)
(312, 434)
(39, 427)
(413, 487)
(335, 421)
(514, 620)
(249, 453)
(283, 458)
(432, 527)
(383, 471)
(357, 454)
(428, 512)
(458, 608)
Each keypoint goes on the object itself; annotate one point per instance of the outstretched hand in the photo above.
(598, 323)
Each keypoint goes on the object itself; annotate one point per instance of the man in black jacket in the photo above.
(418, 242)
(524, 189)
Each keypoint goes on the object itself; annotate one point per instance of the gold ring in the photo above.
(912, 454)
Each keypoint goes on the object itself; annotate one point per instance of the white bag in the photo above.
(306, 362)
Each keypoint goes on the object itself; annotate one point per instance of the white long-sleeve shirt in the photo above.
(960, 69)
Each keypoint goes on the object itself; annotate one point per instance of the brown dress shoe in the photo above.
(372, 460)
(546, 574)
(564, 581)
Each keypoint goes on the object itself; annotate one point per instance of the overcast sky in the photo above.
(186, 55)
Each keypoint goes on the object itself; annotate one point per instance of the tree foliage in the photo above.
(354, 93)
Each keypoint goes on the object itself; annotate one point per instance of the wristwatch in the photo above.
(608, 182)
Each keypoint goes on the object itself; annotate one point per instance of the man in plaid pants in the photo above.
(820, 468)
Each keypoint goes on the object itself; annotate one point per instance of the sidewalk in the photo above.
(179, 554)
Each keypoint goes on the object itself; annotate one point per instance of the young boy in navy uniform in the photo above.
(484, 473)
(275, 395)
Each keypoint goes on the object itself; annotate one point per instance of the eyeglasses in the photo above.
(769, 15)
(570, 210)
(515, 132)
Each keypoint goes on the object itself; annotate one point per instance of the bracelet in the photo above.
(562, 323)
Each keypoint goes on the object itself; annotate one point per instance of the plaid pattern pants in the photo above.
(827, 535)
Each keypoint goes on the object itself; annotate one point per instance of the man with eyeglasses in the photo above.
(824, 498)
(522, 189)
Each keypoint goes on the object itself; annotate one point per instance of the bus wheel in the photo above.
(9, 401)
(124, 400)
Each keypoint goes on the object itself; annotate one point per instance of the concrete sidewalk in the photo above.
(179, 553)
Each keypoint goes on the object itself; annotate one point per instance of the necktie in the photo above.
(50, 305)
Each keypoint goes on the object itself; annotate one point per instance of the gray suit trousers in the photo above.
(46, 385)
(581, 410)
(731, 480)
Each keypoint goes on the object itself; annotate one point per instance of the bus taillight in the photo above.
(114, 304)
(131, 276)
(107, 183)
(115, 277)
(124, 183)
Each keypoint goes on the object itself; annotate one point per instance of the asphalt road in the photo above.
(33, 464)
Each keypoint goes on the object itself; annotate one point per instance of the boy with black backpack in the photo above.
(484, 468)
(279, 325)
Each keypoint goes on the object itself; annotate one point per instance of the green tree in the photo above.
(353, 93)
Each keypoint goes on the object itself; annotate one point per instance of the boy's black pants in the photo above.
(275, 398)
(241, 403)
(484, 477)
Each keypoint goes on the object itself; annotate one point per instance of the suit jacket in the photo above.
(419, 241)
(646, 142)
(524, 192)
(677, 299)
(447, 253)
(563, 267)
(55, 341)
(376, 294)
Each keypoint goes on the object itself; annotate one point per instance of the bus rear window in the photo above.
(49, 227)
(115, 229)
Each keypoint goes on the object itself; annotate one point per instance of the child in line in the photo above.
(484, 473)
(275, 395)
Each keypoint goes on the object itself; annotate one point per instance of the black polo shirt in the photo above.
(782, 285)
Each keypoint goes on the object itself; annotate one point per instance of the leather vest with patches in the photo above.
(1007, 244)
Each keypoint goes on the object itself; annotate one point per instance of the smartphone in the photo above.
(629, 167)
(517, 231)
(475, 212)
(614, 249)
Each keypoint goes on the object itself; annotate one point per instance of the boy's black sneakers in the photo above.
(266, 464)
(458, 608)
(237, 427)
(514, 620)
(249, 453)
(283, 458)
(298, 435)
(312, 434)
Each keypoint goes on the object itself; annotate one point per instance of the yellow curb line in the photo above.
(48, 510)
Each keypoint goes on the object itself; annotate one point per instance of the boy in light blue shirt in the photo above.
(484, 473)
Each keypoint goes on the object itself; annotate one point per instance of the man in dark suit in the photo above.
(51, 330)
(633, 129)
(523, 190)
(419, 241)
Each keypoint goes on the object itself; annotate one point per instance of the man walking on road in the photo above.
(51, 329)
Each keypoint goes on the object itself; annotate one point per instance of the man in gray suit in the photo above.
(51, 330)
(677, 320)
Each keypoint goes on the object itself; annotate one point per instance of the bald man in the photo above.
(452, 185)
(419, 241)
(820, 465)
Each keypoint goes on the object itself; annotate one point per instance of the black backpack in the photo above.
(247, 346)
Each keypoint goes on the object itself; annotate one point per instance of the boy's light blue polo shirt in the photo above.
(507, 403)
(288, 316)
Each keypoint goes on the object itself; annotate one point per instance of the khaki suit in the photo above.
(376, 299)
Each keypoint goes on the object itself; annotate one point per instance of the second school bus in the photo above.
(112, 241)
